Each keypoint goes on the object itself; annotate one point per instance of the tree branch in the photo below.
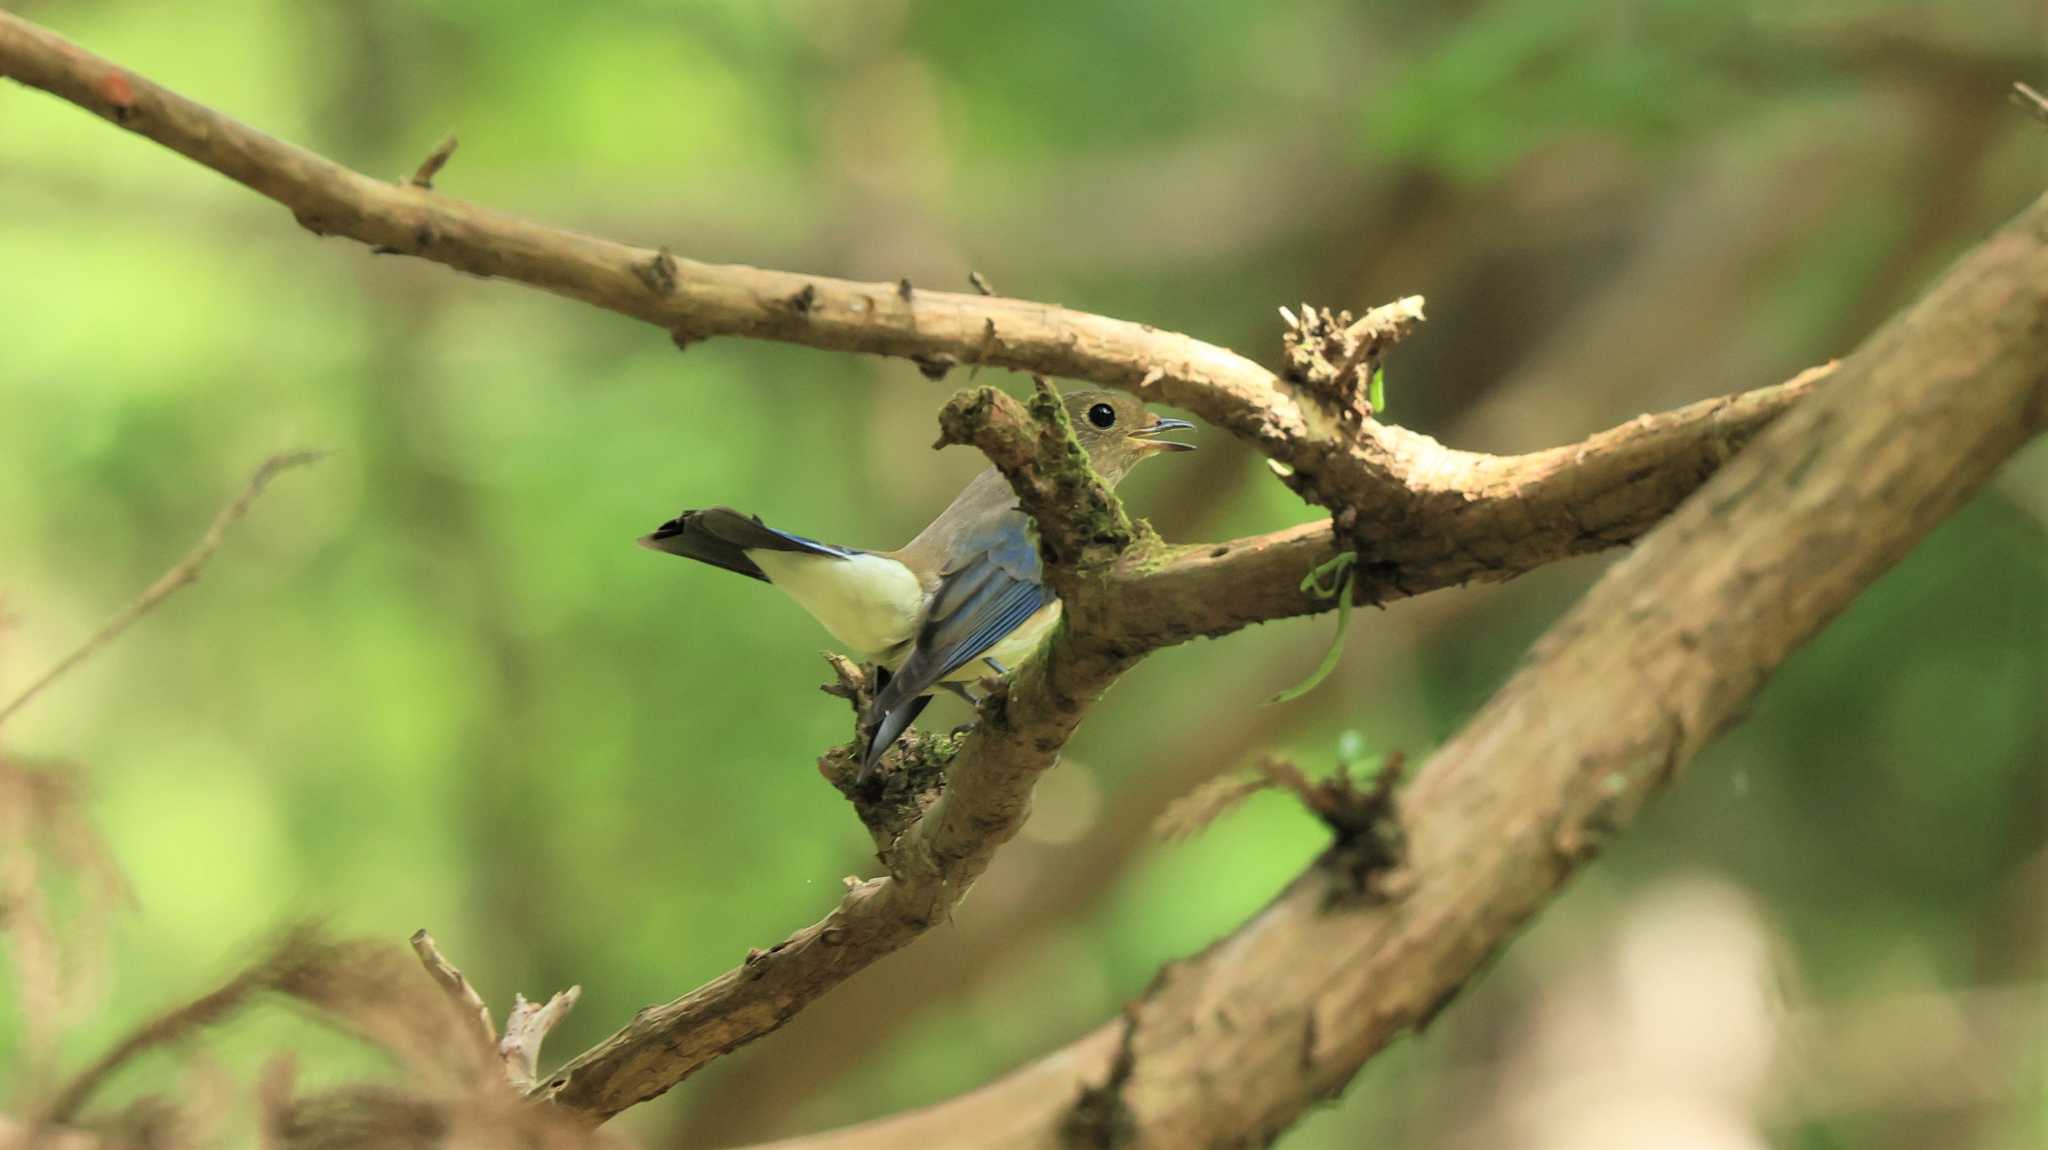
(526, 1027)
(1080, 520)
(183, 573)
(454, 984)
(1232, 1045)
(1492, 518)
(1338, 463)
(2029, 101)
(691, 299)
(1406, 480)
(986, 799)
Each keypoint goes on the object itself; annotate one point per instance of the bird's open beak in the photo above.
(1160, 428)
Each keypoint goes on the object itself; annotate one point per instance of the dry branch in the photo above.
(526, 1028)
(526, 1025)
(2029, 101)
(1489, 519)
(423, 176)
(171, 1026)
(933, 864)
(1407, 481)
(694, 300)
(183, 573)
(1390, 476)
(454, 983)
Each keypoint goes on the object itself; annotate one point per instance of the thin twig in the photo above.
(452, 980)
(185, 572)
(437, 159)
(201, 1012)
(41, 811)
(24, 912)
(2029, 101)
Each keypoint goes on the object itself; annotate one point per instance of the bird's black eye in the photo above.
(1102, 415)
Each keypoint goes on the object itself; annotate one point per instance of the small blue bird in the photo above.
(964, 598)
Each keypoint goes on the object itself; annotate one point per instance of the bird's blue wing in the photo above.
(993, 585)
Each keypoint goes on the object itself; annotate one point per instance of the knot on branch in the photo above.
(999, 426)
(1335, 357)
(1371, 842)
(1099, 1118)
(913, 775)
(1361, 812)
(1079, 518)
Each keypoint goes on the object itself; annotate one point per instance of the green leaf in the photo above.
(1339, 571)
(1376, 391)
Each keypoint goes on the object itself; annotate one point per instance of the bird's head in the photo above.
(1117, 431)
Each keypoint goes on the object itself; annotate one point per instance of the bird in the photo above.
(965, 598)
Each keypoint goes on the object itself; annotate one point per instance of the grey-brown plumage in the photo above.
(963, 599)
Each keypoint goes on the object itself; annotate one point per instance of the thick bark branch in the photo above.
(1667, 651)
(1337, 462)
(933, 864)
(1509, 514)
(1493, 518)
(693, 300)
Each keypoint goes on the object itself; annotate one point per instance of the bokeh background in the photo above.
(431, 683)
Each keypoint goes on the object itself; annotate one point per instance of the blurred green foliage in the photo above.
(430, 682)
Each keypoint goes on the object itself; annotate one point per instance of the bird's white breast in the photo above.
(869, 603)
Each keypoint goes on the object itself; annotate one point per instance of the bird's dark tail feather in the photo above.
(883, 732)
(722, 537)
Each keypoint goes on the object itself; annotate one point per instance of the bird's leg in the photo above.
(972, 700)
(995, 665)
